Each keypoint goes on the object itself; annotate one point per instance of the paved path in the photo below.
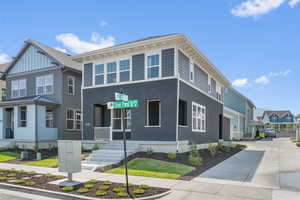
(266, 170)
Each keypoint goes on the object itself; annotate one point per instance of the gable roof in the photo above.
(280, 113)
(63, 59)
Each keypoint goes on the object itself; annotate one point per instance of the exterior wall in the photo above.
(234, 101)
(237, 123)
(28, 132)
(44, 133)
(249, 118)
(2, 131)
(201, 79)
(31, 60)
(213, 111)
(164, 90)
(289, 118)
(138, 69)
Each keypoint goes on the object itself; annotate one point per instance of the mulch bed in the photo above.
(208, 160)
(42, 182)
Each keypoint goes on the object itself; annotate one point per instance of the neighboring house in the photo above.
(43, 98)
(258, 113)
(180, 93)
(297, 119)
(238, 115)
(2, 82)
(278, 119)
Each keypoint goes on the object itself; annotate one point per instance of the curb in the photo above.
(67, 196)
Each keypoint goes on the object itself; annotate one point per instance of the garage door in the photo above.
(226, 128)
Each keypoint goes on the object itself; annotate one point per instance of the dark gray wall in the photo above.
(167, 56)
(213, 111)
(138, 67)
(88, 74)
(165, 90)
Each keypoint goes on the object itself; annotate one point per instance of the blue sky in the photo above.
(255, 43)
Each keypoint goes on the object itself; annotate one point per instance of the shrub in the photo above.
(30, 183)
(19, 181)
(88, 186)
(11, 175)
(82, 190)
(171, 155)
(59, 177)
(227, 148)
(212, 149)
(235, 139)
(129, 185)
(68, 188)
(107, 183)
(95, 147)
(138, 191)
(31, 173)
(3, 178)
(82, 148)
(149, 151)
(104, 187)
(220, 146)
(101, 193)
(298, 144)
(50, 147)
(118, 189)
(194, 151)
(144, 187)
(122, 194)
(93, 181)
(195, 161)
(49, 175)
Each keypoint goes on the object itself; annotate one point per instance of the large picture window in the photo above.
(44, 85)
(153, 113)
(117, 120)
(182, 118)
(19, 88)
(153, 66)
(198, 117)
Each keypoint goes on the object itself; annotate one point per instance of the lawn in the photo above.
(7, 156)
(153, 168)
(50, 162)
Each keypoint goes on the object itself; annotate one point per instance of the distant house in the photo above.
(43, 98)
(279, 119)
(2, 82)
(238, 115)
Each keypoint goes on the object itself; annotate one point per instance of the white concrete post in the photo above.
(298, 134)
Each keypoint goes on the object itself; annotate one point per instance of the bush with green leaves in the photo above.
(101, 193)
(104, 187)
(212, 149)
(82, 148)
(195, 161)
(3, 178)
(149, 151)
(30, 183)
(88, 186)
(122, 194)
(194, 151)
(19, 181)
(144, 187)
(171, 155)
(107, 183)
(82, 190)
(298, 144)
(138, 191)
(118, 189)
(227, 148)
(11, 175)
(68, 188)
(93, 181)
(95, 147)
(129, 185)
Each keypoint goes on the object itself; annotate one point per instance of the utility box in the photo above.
(69, 155)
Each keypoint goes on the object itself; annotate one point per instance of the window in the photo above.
(182, 118)
(99, 74)
(44, 85)
(117, 119)
(198, 117)
(219, 92)
(19, 88)
(153, 113)
(49, 118)
(22, 116)
(78, 120)
(124, 69)
(70, 119)
(111, 75)
(153, 66)
(209, 85)
(192, 75)
(71, 85)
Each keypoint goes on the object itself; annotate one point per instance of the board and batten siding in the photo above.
(88, 74)
(138, 70)
(32, 60)
(167, 62)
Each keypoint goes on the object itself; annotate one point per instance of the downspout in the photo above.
(177, 98)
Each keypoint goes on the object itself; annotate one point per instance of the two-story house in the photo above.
(238, 115)
(180, 93)
(43, 98)
(278, 119)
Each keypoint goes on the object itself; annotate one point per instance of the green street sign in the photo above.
(121, 97)
(122, 104)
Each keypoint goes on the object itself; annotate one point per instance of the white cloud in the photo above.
(263, 80)
(73, 43)
(254, 8)
(61, 49)
(103, 23)
(4, 58)
(293, 3)
(281, 73)
(242, 82)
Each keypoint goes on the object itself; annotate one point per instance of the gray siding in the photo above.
(213, 88)
(183, 66)
(167, 56)
(201, 79)
(138, 67)
(88, 74)
(213, 110)
(165, 90)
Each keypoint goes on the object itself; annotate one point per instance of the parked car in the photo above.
(270, 132)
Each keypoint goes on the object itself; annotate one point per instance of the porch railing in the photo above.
(103, 133)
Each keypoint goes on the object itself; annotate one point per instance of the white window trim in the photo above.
(112, 121)
(202, 117)
(45, 85)
(74, 119)
(209, 84)
(147, 114)
(76, 114)
(191, 72)
(119, 70)
(19, 88)
(73, 79)
(51, 119)
(146, 64)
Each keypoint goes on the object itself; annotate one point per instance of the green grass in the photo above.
(153, 168)
(6, 156)
(50, 162)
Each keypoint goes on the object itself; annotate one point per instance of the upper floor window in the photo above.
(153, 66)
(219, 92)
(99, 74)
(19, 88)
(44, 85)
(71, 85)
(192, 75)
(111, 75)
(209, 85)
(124, 68)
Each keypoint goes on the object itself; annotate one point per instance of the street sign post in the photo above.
(121, 97)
